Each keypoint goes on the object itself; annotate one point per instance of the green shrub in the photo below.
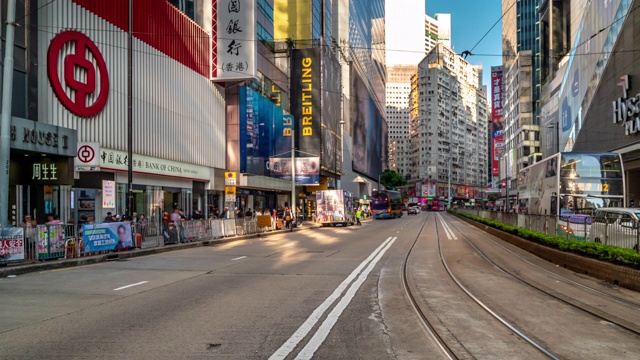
(609, 253)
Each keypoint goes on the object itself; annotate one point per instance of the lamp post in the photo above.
(5, 119)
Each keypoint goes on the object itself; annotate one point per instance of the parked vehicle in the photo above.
(616, 226)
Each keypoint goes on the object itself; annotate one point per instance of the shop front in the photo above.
(159, 185)
(40, 171)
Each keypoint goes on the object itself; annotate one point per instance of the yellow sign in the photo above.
(229, 190)
(230, 178)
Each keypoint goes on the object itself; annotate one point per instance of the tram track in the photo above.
(575, 303)
(446, 349)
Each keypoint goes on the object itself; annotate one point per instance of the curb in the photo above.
(95, 259)
(612, 273)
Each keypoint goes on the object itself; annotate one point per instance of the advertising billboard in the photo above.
(331, 112)
(306, 100)
(263, 132)
(370, 150)
(307, 169)
(11, 244)
(106, 236)
(497, 128)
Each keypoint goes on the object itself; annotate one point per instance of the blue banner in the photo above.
(106, 236)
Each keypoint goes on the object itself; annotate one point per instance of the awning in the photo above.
(361, 180)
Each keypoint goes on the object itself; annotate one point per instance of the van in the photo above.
(616, 226)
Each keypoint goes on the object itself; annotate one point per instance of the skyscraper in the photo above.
(437, 29)
(521, 64)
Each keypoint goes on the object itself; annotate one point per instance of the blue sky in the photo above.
(470, 20)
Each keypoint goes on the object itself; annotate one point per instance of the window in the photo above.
(186, 6)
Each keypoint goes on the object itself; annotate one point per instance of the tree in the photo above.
(391, 179)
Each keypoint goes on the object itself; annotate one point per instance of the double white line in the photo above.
(331, 319)
(447, 229)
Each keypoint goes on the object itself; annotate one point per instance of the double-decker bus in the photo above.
(570, 186)
(386, 204)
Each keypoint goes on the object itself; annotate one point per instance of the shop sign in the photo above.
(41, 171)
(11, 244)
(108, 194)
(88, 156)
(236, 40)
(42, 138)
(44, 171)
(118, 160)
(626, 110)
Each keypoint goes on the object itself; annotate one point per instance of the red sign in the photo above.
(497, 129)
(86, 154)
(88, 83)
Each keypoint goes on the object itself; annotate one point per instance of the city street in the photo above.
(325, 293)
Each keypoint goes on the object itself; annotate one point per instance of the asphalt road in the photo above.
(329, 293)
(240, 300)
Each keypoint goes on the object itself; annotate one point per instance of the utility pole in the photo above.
(130, 113)
(5, 118)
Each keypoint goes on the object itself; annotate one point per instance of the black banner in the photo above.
(306, 99)
(331, 113)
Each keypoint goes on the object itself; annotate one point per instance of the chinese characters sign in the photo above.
(497, 129)
(236, 40)
(44, 171)
(11, 244)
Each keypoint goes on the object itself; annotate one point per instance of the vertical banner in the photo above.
(236, 40)
(497, 128)
(108, 194)
(305, 100)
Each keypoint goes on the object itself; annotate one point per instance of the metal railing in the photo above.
(617, 232)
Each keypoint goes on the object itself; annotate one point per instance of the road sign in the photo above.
(230, 190)
(230, 178)
(230, 198)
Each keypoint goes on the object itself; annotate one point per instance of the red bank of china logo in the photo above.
(86, 79)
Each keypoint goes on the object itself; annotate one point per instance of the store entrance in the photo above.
(42, 202)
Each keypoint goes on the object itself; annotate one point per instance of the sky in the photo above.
(470, 20)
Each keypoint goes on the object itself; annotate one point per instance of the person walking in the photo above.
(288, 218)
(358, 216)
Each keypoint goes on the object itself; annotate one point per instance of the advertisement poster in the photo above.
(108, 194)
(330, 206)
(11, 244)
(497, 128)
(51, 239)
(106, 236)
(307, 169)
(306, 97)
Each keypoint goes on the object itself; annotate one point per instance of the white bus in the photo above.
(570, 186)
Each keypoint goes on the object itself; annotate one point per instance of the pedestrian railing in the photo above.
(617, 232)
(48, 242)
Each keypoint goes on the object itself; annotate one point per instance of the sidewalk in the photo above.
(19, 269)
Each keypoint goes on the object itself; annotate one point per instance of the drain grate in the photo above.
(315, 251)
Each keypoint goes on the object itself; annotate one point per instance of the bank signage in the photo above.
(71, 52)
(118, 160)
(42, 138)
(625, 109)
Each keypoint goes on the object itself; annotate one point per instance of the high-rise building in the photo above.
(404, 32)
(591, 77)
(449, 122)
(521, 65)
(397, 114)
(437, 29)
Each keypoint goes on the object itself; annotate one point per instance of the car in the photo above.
(616, 226)
(435, 207)
(412, 211)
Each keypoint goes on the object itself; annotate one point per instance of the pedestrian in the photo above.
(358, 216)
(134, 218)
(109, 217)
(288, 218)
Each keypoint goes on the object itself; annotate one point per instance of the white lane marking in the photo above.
(128, 286)
(238, 258)
(289, 244)
(447, 229)
(324, 329)
(315, 316)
